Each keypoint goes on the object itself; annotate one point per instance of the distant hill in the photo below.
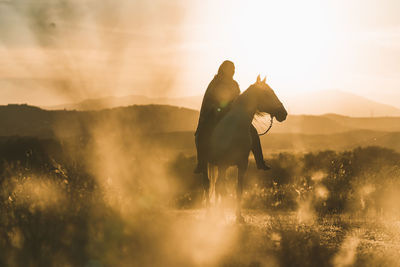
(311, 103)
(172, 127)
(191, 102)
(24, 120)
(332, 123)
(338, 102)
(29, 120)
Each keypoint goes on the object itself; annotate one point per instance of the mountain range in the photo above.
(30, 120)
(163, 126)
(337, 102)
(310, 103)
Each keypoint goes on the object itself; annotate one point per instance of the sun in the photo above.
(292, 42)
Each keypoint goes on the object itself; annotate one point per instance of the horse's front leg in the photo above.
(220, 190)
(242, 168)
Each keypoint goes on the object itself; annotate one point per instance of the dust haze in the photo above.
(73, 50)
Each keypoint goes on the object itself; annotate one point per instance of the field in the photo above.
(118, 202)
(283, 239)
(108, 188)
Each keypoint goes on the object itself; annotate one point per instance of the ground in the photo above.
(280, 239)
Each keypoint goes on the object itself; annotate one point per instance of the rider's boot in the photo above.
(257, 150)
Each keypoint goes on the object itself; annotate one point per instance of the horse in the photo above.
(230, 141)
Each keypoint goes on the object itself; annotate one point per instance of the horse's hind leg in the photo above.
(220, 189)
(239, 190)
(206, 186)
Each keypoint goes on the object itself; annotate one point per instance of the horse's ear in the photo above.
(258, 78)
(265, 78)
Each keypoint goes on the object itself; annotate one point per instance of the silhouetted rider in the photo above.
(220, 93)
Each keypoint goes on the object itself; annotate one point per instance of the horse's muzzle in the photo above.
(281, 114)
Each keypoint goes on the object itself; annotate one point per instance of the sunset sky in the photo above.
(59, 51)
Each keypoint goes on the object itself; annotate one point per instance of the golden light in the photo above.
(290, 41)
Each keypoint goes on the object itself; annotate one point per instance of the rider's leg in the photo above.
(257, 150)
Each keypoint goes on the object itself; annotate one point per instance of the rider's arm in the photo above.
(210, 103)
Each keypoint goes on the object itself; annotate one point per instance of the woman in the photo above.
(220, 93)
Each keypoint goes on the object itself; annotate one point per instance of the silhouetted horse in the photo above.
(230, 142)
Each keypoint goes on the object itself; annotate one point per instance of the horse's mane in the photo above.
(243, 97)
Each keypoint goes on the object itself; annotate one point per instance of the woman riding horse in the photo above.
(221, 92)
(231, 141)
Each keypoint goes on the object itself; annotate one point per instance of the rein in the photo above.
(269, 128)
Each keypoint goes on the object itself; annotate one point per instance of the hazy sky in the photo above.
(58, 51)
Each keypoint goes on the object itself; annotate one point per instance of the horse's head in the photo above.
(267, 101)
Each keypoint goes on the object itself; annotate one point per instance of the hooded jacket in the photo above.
(218, 97)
